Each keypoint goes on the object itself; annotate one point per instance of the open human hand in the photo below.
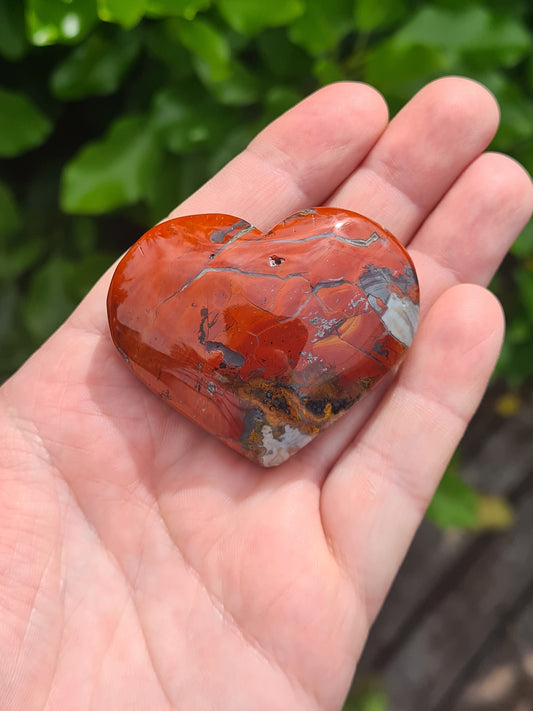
(143, 565)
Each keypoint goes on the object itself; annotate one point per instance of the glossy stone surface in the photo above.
(264, 339)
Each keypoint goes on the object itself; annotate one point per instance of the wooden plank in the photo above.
(413, 594)
(436, 559)
(431, 663)
(504, 676)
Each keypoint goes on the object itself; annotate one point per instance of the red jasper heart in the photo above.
(264, 339)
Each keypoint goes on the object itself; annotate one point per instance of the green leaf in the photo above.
(178, 177)
(368, 701)
(402, 69)
(17, 254)
(327, 71)
(282, 57)
(516, 108)
(164, 192)
(322, 26)
(278, 99)
(10, 329)
(472, 31)
(516, 358)
(367, 694)
(8, 301)
(250, 18)
(172, 8)
(523, 247)
(207, 43)
(235, 142)
(83, 234)
(163, 43)
(56, 288)
(19, 257)
(185, 119)
(241, 88)
(22, 125)
(12, 30)
(53, 21)
(15, 344)
(96, 67)
(125, 12)
(112, 172)
(370, 15)
(524, 281)
(82, 276)
(454, 504)
(9, 213)
(48, 303)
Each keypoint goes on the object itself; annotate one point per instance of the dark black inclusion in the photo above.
(280, 403)
(318, 406)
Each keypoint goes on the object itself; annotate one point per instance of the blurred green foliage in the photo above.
(367, 694)
(457, 505)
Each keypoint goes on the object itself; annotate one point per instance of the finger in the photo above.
(375, 497)
(299, 159)
(468, 234)
(424, 149)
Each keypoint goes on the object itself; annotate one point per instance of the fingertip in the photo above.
(343, 118)
(353, 93)
(476, 311)
(457, 87)
(511, 175)
(463, 103)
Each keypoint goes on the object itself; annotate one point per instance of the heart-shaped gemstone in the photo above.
(264, 339)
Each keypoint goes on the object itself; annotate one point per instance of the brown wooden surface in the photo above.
(456, 632)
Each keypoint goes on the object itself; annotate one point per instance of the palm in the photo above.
(142, 564)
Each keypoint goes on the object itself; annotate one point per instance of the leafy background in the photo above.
(113, 111)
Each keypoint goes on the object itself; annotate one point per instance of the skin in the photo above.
(143, 565)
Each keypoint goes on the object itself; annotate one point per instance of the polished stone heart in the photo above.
(264, 339)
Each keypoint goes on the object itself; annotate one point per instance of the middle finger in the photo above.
(421, 153)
